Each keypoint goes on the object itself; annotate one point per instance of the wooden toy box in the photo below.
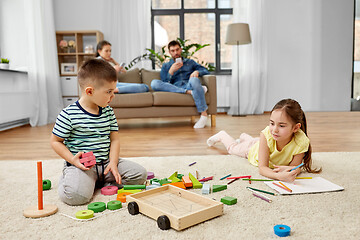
(183, 208)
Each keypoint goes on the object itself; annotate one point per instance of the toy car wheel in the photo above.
(133, 208)
(163, 222)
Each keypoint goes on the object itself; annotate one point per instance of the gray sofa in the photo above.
(160, 104)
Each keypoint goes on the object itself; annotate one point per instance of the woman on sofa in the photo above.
(103, 51)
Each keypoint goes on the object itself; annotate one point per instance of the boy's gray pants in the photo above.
(76, 187)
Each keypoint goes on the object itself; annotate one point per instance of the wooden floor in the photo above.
(328, 132)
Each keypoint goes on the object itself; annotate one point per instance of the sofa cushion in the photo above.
(175, 99)
(131, 76)
(149, 75)
(132, 100)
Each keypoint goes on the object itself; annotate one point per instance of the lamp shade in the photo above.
(237, 34)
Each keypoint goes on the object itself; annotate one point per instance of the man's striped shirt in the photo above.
(84, 131)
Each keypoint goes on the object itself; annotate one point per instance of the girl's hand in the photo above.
(76, 162)
(282, 168)
(287, 176)
(113, 168)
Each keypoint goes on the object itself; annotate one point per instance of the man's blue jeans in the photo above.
(131, 87)
(192, 84)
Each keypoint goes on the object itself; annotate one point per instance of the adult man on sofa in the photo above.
(182, 76)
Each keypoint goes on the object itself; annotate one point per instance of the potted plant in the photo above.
(188, 51)
(4, 64)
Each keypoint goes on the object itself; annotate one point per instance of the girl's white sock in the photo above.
(201, 123)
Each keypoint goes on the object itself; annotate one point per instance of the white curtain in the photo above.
(43, 72)
(249, 74)
(127, 26)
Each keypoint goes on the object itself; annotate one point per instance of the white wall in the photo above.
(13, 33)
(310, 53)
(310, 48)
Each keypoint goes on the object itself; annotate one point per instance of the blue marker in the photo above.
(297, 166)
(225, 176)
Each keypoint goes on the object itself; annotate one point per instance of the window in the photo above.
(200, 21)
(356, 78)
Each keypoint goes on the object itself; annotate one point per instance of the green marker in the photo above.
(259, 190)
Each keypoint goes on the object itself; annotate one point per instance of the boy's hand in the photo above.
(114, 170)
(76, 162)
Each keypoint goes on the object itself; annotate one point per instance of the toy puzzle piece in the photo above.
(195, 182)
(177, 184)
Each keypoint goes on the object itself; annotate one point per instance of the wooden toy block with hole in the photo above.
(195, 182)
(88, 159)
(174, 207)
(187, 182)
(122, 196)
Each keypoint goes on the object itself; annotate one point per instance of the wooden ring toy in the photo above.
(114, 205)
(46, 184)
(84, 214)
(97, 206)
(109, 190)
(150, 175)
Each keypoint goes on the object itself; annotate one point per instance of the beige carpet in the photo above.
(334, 215)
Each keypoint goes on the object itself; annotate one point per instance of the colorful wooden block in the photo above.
(88, 159)
(164, 181)
(195, 182)
(178, 184)
(109, 190)
(229, 200)
(152, 186)
(206, 188)
(150, 175)
(217, 188)
(187, 182)
(122, 196)
(179, 176)
(174, 178)
(132, 187)
(130, 191)
(154, 180)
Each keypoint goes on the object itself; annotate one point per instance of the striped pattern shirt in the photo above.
(85, 132)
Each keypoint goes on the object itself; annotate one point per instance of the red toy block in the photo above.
(187, 182)
(87, 154)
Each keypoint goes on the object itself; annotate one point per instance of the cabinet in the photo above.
(74, 47)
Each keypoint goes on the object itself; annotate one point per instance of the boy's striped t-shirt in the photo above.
(84, 132)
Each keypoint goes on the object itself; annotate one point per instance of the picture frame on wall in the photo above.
(68, 69)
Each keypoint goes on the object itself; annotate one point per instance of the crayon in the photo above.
(259, 190)
(262, 197)
(225, 176)
(297, 166)
(192, 163)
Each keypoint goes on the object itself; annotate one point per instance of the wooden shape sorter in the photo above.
(180, 208)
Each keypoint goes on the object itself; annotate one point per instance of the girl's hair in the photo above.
(100, 46)
(293, 109)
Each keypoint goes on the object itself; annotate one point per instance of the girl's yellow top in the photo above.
(298, 144)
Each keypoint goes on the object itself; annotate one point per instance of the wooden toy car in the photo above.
(174, 207)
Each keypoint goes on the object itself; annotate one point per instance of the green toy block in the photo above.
(163, 181)
(179, 176)
(154, 180)
(129, 191)
(195, 182)
(218, 188)
(132, 187)
(229, 200)
(174, 178)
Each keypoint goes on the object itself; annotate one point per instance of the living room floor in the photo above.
(328, 132)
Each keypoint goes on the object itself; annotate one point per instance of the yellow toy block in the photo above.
(195, 182)
(174, 178)
(129, 191)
